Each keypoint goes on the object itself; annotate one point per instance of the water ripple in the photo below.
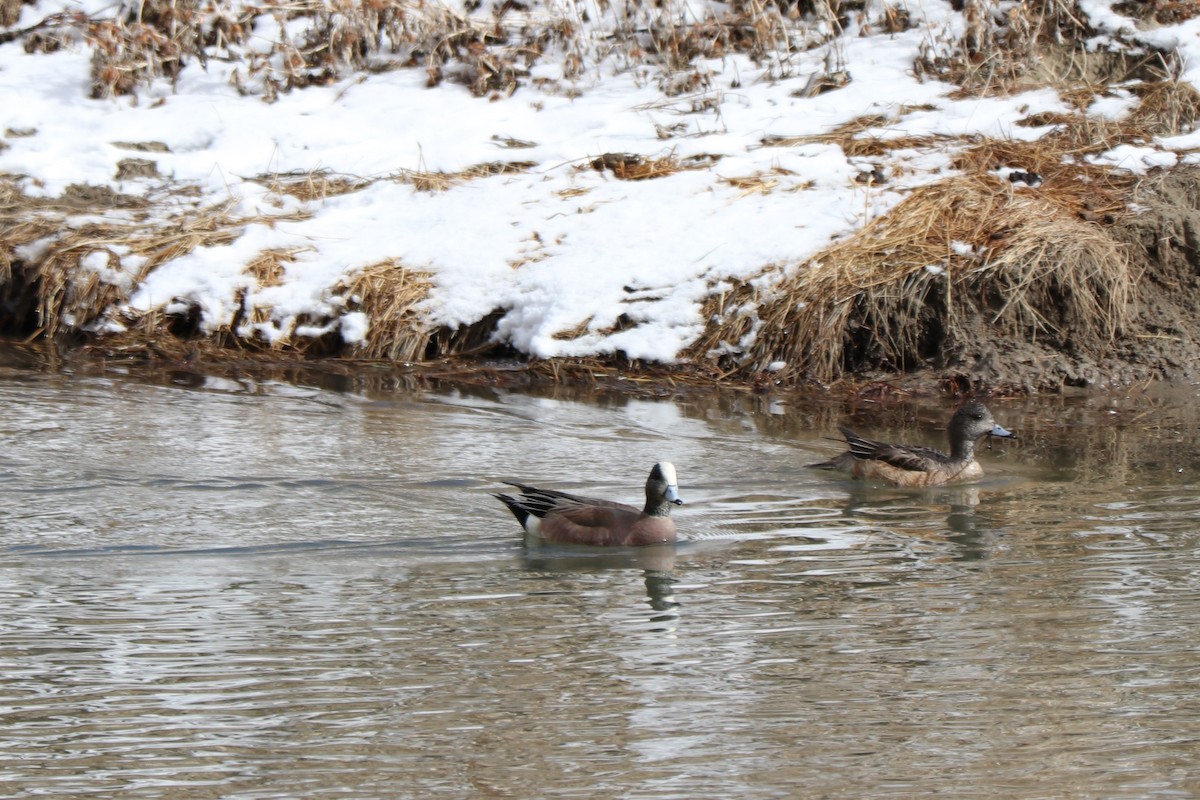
(256, 590)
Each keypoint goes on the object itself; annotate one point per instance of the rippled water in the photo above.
(217, 587)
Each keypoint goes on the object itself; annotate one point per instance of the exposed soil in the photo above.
(1066, 309)
(1161, 340)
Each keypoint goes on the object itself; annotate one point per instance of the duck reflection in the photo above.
(970, 531)
(655, 561)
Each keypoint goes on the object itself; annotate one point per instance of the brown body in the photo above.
(907, 465)
(882, 469)
(561, 518)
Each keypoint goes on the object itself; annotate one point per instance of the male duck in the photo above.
(906, 465)
(563, 518)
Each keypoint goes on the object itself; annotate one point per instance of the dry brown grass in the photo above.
(489, 54)
(390, 295)
(753, 184)
(424, 181)
(310, 185)
(1035, 264)
(80, 272)
(633, 167)
(1167, 108)
(902, 292)
(1162, 12)
(316, 185)
(270, 266)
(1078, 188)
(576, 331)
(71, 274)
(10, 12)
(156, 39)
(1030, 45)
(48, 283)
(861, 137)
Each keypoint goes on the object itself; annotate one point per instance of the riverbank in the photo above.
(733, 197)
(1156, 338)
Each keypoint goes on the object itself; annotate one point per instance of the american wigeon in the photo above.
(563, 518)
(907, 465)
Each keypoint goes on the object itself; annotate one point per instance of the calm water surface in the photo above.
(256, 589)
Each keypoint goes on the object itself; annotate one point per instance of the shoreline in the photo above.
(1156, 339)
(753, 212)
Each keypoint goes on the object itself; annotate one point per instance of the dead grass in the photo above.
(1162, 12)
(390, 295)
(319, 42)
(862, 137)
(71, 275)
(753, 184)
(490, 54)
(1168, 107)
(40, 258)
(66, 276)
(633, 167)
(903, 291)
(10, 12)
(155, 39)
(971, 256)
(1074, 186)
(270, 266)
(441, 181)
(575, 332)
(312, 185)
(1030, 45)
(316, 185)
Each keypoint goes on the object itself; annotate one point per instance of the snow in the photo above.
(622, 265)
(1138, 160)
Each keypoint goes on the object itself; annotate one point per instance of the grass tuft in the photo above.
(903, 292)
(390, 295)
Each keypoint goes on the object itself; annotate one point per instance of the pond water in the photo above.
(250, 588)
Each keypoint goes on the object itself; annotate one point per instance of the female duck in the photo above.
(907, 465)
(562, 518)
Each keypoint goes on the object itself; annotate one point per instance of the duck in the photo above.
(560, 518)
(909, 465)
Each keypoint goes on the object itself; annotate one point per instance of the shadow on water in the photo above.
(961, 513)
(656, 563)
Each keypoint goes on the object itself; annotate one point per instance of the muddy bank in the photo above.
(951, 345)
(1159, 339)
(1023, 252)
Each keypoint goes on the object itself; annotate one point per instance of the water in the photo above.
(249, 588)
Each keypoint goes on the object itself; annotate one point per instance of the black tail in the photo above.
(838, 462)
(514, 505)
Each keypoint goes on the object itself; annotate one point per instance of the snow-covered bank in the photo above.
(504, 206)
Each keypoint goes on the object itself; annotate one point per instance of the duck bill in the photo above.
(1002, 433)
(672, 495)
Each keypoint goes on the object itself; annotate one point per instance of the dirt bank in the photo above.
(1159, 339)
(933, 336)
